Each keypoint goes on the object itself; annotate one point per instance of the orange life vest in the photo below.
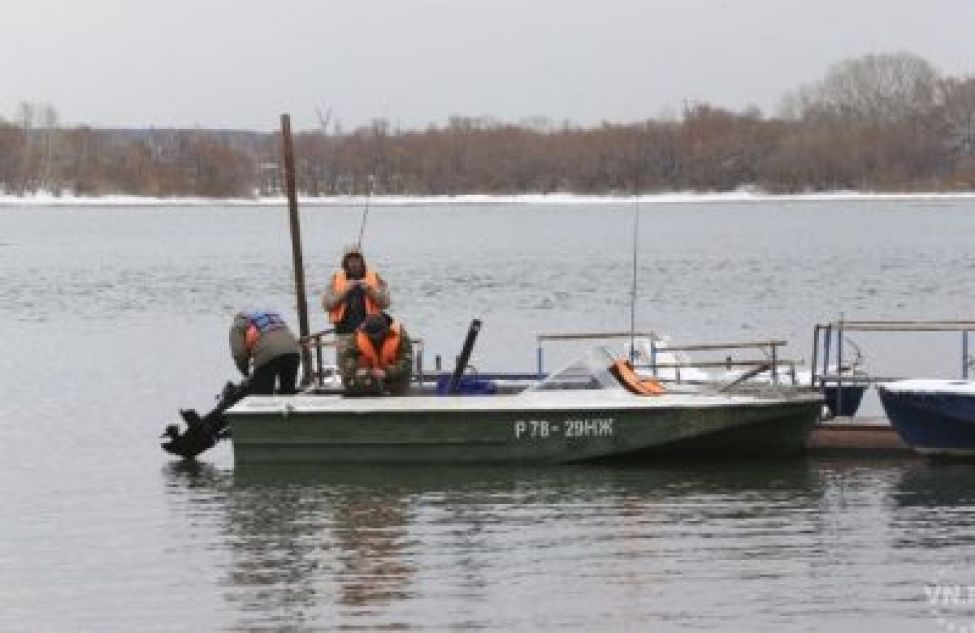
(340, 282)
(369, 359)
(251, 336)
(633, 383)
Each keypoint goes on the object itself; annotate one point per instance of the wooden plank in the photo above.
(852, 379)
(718, 346)
(852, 437)
(574, 336)
(784, 364)
(591, 335)
(904, 326)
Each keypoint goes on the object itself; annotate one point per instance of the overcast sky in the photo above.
(241, 63)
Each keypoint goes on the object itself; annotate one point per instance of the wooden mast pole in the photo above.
(299, 267)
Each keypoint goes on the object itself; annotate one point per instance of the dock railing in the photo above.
(770, 348)
(824, 333)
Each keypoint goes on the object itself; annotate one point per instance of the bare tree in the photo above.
(48, 122)
(959, 115)
(11, 150)
(884, 88)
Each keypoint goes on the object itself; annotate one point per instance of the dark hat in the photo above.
(375, 325)
(352, 250)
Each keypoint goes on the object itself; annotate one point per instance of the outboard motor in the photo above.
(202, 433)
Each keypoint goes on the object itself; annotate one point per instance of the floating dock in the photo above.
(868, 436)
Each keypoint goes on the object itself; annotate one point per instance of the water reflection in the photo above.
(392, 546)
(932, 484)
(933, 506)
(725, 546)
(369, 533)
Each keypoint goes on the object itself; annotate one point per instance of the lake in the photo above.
(114, 317)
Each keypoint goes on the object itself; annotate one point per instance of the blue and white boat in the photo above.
(934, 417)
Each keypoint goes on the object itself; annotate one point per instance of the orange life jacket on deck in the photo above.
(341, 282)
(633, 383)
(369, 359)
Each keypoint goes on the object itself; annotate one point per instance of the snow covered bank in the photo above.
(50, 200)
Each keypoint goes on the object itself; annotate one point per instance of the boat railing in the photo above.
(831, 335)
(772, 359)
(662, 368)
(657, 347)
(317, 342)
(541, 339)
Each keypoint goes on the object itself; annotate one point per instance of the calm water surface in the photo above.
(115, 317)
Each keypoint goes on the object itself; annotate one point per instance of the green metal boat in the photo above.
(583, 414)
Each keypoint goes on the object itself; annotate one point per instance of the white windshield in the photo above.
(590, 371)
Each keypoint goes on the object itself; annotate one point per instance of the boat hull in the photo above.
(456, 432)
(932, 417)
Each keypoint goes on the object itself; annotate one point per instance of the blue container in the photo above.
(468, 386)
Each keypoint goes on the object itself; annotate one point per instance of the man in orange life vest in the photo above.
(378, 359)
(353, 293)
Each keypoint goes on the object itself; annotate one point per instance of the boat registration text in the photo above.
(583, 427)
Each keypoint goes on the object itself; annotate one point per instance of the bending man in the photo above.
(264, 341)
(258, 340)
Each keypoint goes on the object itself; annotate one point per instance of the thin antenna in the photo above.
(636, 242)
(365, 214)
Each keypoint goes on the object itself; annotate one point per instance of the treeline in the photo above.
(880, 122)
